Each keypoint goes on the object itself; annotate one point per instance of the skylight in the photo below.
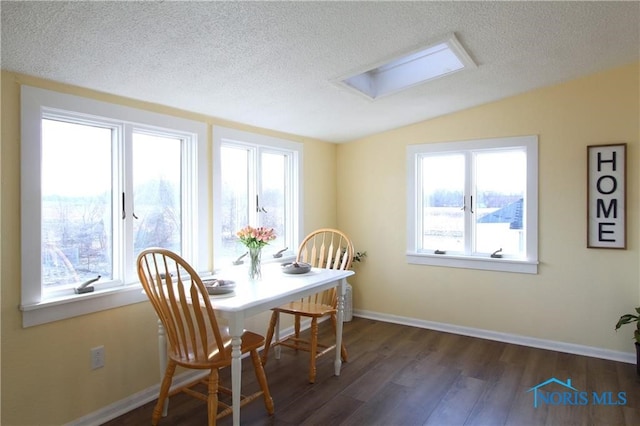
(435, 61)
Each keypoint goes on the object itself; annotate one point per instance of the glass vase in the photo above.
(255, 271)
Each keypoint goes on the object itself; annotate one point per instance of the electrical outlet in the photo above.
(97, 357)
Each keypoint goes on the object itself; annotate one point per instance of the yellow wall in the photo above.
(579, 293)
(46, 379)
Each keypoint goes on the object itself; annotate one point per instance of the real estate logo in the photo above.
(572, 396)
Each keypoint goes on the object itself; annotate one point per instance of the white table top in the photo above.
(275, 287)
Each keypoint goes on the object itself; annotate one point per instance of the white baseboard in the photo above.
(138, 399)
(515, 339)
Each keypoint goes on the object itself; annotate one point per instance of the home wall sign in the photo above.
(606, 196)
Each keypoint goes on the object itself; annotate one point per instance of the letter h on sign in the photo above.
(606, 196)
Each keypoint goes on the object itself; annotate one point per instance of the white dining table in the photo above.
(251, 297)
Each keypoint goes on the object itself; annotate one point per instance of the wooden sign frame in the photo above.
(606, 196)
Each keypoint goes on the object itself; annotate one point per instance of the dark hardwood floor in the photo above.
(400, 375)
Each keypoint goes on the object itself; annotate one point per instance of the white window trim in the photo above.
(528, 265)
(240, 137)
(33, 101)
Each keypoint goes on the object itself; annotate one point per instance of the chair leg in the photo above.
(277, 347)
(164, 392)
(296, 327)
(273, 323)
(212, 397)
(262, 380)
(313, 349)
(343, 353)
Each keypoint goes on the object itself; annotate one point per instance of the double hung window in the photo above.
(257, 182)
(100, 183)
(474, 204)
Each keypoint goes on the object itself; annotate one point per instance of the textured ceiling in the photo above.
(271, 64)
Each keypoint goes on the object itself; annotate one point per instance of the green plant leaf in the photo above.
(626, 319)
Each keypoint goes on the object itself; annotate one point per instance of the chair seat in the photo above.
(306, 309)
(250, 341)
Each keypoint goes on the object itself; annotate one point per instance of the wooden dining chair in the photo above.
(194, 339)
(324, 248)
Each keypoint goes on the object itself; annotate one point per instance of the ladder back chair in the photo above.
(324, 248)
(195, 341)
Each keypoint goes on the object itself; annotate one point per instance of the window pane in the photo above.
(500, 188)
(156, 193)
(235, 198)
(76, 203)
(442, 202)
(273, 198)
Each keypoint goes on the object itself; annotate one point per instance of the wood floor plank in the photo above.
(516, 354)
(629, 383)
(384, 400)
(418, 370)
(522, 411)
(631, 416)
(457, 403)
(480, 359)
(493, 406)
(366, 386)
(333, 412)
(426, 392)
(604, 381)
(541, 365)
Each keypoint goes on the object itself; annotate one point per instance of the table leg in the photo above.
(342, 288)
(162, 352)
(235, 328)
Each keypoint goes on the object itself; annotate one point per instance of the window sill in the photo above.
(80, 304)
(74, 305)
(471, 262)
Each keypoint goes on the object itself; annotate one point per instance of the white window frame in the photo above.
(529, 263)
(36, 103)
(238, 138)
